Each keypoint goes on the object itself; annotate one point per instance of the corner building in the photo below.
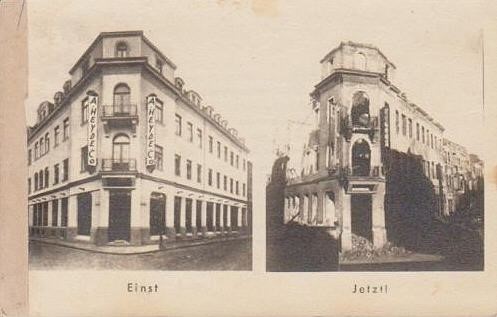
(125, 153)
(361, 117)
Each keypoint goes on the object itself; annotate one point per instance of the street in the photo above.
(234, 255)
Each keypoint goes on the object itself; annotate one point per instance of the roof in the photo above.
(356, 44)
(120, 34)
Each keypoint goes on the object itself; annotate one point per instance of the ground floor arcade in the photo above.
(137, 215)
(344, 211)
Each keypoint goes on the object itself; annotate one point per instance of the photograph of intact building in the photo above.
(125, 155)
(376, 168)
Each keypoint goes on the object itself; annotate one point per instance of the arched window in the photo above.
(122, 49)
(121, 96)
(120, 148)
(360, 61)
(361, 158)
(360, 109)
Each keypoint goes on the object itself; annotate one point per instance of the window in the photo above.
(225, 182)
(209, 179)
(47, 173)
(237, 191)
(159, 112)
(189, 131)
(410, 128)
(199, 173)
(244, 188)
(55, 212)
(423, 135)
(122, 97)
(231, 185)
(37, 154)
(56, 132)
(431, 141)
(397, 121)
(84, 110)
(121, 49)
(218, 180)
(66, 129)
(199, 137)
(159, 156)
(63, 212)
(188, 169)
(404, 130)
(42, 146)
(40, 180)
(29, 156)
(120, 151)
(427, 137)
(36, 181)
(29, 185)
(211, 142)
(159, 64)
(244, 164)
(237, 161)
(177, 165)
(232, 158)
(47, 142)
(56, 174)
(177, 121)
(218, 149)
(417, 131)
(65, 169)
(84, 158)
(226, 154)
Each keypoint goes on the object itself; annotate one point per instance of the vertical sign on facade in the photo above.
(150, 157)
(92, 129)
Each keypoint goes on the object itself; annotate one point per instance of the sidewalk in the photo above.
(140, 249)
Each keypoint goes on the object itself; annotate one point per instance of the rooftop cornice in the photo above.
(356, 44)
(120, 34)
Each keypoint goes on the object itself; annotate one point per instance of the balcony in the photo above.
(120, 116)
(118, 165)
(360, 179)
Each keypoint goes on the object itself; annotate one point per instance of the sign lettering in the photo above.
(150, 157)
(92, 102)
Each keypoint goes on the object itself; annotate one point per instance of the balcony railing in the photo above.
(361, 171)
(119, 111)
(118, 165)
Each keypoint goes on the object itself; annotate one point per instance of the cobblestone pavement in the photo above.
(235, 255)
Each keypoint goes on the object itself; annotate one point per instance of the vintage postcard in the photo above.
(248, 158)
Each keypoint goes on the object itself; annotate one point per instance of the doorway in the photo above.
(361, 214)
(157, 214)
(119, 215)
(84, 214)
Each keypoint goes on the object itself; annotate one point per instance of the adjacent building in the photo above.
(125, 154)
(362, 122)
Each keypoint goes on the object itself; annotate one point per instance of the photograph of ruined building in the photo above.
(379, 186)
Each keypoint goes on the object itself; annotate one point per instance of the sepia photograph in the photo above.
(378, 184)
(130, 169)
(248, 158)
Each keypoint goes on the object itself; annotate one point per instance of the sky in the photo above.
(256, 62)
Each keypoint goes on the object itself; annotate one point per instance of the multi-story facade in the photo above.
(125, 154)
(361, 118)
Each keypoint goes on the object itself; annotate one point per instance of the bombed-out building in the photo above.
(367, 137)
